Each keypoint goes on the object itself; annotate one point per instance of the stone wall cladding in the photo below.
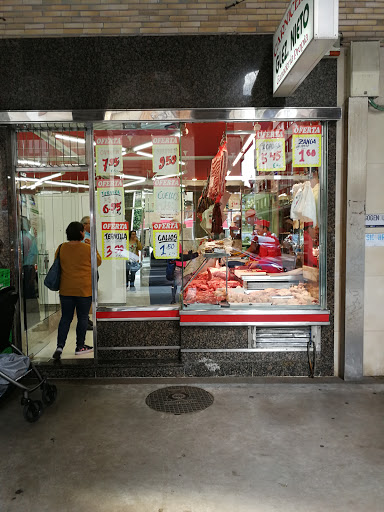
(58, 18)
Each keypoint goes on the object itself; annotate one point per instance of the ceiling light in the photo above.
(244, 149)
(65, 184)
(142, 146)
(194, 179)
(141, 180)
(46, 178)
(29, 162)
(143, 153)
(69, 137)
(26, 179)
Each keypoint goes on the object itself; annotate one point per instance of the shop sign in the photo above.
(115, 237)
(270, 151)
(306, 33)
(166, 240)
(109, 156)
(165, 151)
(167, 196)
(110, 194)
(374, 220)
(306, 146)
(374, 240)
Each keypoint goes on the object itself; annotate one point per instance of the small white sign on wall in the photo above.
(374, 240)
(374, 220)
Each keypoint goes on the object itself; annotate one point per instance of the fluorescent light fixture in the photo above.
(243, 149)
(131, 177)
(141, 180)
(41, 180)
(65, 184)
(143, 146)
(69, 137)
(194, 179)
(277, 177)
(164, 176)
(26, 179)
(29, 162)
(235, 178)
(143, 153)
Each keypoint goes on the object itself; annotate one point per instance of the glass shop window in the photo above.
(210, 215)
(252, 203)
(138, 212)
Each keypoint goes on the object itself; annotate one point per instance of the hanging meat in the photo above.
(217, 221)
(219, 167)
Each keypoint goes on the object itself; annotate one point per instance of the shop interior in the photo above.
(248, 236)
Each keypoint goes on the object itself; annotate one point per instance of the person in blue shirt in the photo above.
(86, 222)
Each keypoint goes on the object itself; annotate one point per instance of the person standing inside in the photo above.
(133, 264)
(86, 222)
(75, 288)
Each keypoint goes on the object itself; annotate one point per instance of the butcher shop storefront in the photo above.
(213, 229)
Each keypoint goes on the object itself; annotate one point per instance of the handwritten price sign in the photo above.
(270, 151)
(110, 195)
(165, 151)
(109, 156)
(166, 240)
(114, 240)
(306, 147)
(166, 193)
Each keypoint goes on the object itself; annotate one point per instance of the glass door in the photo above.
(52, 191)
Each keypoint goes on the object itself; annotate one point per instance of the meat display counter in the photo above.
(216, 281)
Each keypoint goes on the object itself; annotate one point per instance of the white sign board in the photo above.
(110, 194)
(306, 146)
(109, 156)
(165, 151)
(374, 220)
(270, 151)
(374, 240)
(306, 33)
(166, 240)
(166, 192)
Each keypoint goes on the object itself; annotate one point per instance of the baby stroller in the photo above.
(15, 365)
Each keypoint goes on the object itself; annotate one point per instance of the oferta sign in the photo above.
(306, 33)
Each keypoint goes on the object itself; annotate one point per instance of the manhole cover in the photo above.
(179, 400)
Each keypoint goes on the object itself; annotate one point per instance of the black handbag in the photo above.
(52, 279)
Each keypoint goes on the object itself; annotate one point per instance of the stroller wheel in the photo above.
(32, 411)
(49, 394)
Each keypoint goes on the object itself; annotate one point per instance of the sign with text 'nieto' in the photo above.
(306, 146)
(166, 239)
(270, 151)
(110, 194)
(165, 151)
(109, 156)
(306, 33)
(115, 240)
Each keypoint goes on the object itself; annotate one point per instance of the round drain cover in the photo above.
(179, 399)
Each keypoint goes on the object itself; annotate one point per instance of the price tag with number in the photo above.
(109, 156)
(115, 240)
(166, 239)
(306, 147)
(110, 193)
(270, 151)
(165, 151)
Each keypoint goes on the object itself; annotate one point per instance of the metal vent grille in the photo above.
(280, 337)
(50, 146)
